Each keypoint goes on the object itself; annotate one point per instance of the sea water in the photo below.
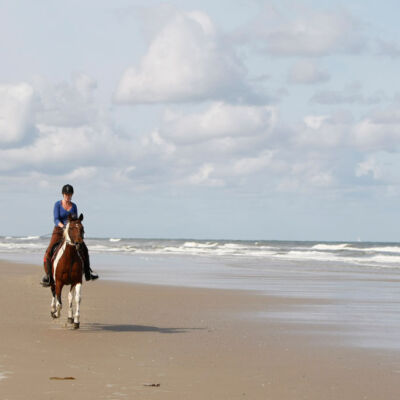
(355, 285)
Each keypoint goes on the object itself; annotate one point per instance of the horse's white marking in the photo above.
(58, 309)
(78, 288)
(66, 234)
(53, 304)
(70, 297)
(58, 256)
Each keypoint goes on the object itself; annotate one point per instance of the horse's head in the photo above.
(74, 231)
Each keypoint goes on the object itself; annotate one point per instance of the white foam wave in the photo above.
(383, 249)
(200, 245)
(386, 259)
(114, 240)
(309, 255)
(233, 246)
(332, 247)
(29, 238)
(20, 246)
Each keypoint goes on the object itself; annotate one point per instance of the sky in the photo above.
(274, 120)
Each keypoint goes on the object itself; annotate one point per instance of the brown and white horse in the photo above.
(67, 269)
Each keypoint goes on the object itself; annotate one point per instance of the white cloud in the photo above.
(84, 84)
(382, 166)
(187, 61)
(306, 33)
(350, 94)
(220, 120)
(251, 165)
(82, 173)
(67, 103)
(370, 135)
(314, 121)
(306, 72)
(203, 177)
(59, 149)
(16, 104)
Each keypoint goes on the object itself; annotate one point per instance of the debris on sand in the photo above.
(60, 378)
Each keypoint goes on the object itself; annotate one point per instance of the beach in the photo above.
(164, 342)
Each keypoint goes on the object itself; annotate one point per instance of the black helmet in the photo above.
(67, 189)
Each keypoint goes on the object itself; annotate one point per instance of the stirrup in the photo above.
(93, 276)
(46, 281)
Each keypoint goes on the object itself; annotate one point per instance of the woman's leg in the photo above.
(89, 274)
(56, 237)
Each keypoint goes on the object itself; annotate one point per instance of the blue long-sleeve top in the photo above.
(61, 214)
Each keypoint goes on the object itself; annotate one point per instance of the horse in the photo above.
(67, 269)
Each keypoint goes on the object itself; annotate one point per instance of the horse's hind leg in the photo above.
(70, 298)
(78, 288)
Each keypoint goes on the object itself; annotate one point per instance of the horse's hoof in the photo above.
(76, 325)
(70, 320)
(53, 314)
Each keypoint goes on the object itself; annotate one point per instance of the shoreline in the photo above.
(195, 343)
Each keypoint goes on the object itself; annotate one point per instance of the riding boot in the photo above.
(47, 280)
(89, 274)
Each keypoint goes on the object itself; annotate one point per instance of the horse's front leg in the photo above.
(53, 301)
(59, 287)
(70, 312)
(78, 289)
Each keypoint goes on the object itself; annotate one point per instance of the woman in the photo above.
(62, 209)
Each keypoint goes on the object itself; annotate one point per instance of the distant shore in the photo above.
(161, 342)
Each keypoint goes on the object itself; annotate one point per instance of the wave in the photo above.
(384, 249)
(28, 238)
(200, 245)
(332, 247)
(375, 254)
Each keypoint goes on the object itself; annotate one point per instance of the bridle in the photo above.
(69, 241)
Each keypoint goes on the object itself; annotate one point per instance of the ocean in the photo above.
(367, 254)
(353, 285)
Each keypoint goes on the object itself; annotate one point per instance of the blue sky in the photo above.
(186, 119)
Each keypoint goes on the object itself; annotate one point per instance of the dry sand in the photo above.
(194, 343)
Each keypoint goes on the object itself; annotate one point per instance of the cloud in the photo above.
(388, 48)
(203, 177)
(59, 149)
(187, 61)
(16, 113)
(381, 166)
(374, 135)
(219, 121)
(306, 72)
(216, 144)
(350, 94)
(67, 103)
(305, 33)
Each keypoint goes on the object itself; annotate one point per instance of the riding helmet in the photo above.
(67, 189)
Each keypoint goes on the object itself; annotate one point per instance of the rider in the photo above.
(62, 209)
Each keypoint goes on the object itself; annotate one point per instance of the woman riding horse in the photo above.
(62, 209)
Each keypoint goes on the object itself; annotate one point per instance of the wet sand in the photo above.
(193, 343)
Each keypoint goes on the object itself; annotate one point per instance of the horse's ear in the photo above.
(81, 217)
